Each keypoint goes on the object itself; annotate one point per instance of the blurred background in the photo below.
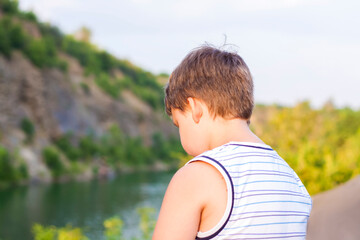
(86, 150)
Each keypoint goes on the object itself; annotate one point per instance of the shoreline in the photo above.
(104, 173)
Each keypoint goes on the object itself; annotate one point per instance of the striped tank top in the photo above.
(266, 199)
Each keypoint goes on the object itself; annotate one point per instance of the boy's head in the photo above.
(219, 78)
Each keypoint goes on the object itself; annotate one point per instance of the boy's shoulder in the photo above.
(198, 174)
(190, 191)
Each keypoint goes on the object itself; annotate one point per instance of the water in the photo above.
(81, 204)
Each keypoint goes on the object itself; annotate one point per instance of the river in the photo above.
(81, 204)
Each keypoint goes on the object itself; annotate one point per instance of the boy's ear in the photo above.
(196, 109)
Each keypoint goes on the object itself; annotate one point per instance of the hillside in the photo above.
(71, 110)
(62, 96)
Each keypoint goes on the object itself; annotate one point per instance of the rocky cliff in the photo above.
(57, 103)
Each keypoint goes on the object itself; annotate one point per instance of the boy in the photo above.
(236, 186)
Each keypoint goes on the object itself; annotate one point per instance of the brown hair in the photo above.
(219, 78)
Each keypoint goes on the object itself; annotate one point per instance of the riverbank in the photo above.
(91, 172)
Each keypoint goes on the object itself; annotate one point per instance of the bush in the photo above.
(36, 52)
(160, 147)
(7, 171)
(167, 150)
(28, 127)
(136, 153)
(107, 61)
(84, 52)
(117, 149)
(113, 229)
(88, 147)
(152, 97)
(12, 36)
(5, 44)
(10, 172)
(17, 37)
(5, 41)
(85, 88)
(53, 233)
(9, 6)
(110, 86)
(23, 171)
(52, 32)
(147, 222)
(43, 53)
(43, 233)
(30, 16)
(52, 160)
(65, 145)
(70, 233)
(112, 146)
(61, 64)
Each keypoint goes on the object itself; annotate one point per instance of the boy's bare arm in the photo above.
(181, 208)
(190, 195)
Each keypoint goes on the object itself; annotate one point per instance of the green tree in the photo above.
(319, 144)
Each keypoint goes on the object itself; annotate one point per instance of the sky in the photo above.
(296, 50)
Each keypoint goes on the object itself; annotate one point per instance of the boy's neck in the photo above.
(223, 131)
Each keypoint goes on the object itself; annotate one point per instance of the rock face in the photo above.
(336, 213)
(58, 102)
